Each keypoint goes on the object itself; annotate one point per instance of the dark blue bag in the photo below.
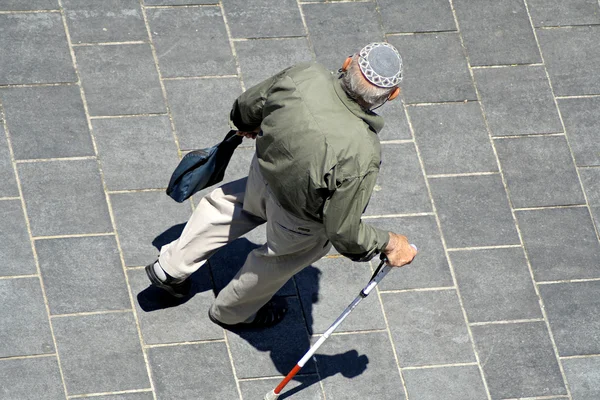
(200, 169)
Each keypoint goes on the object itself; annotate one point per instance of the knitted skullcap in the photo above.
(381, 64)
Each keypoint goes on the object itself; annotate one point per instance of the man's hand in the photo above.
(249, 135)
(398, 251)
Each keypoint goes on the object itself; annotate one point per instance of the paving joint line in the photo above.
(465, 364)
(7, 277)
(185, 78)
(420, 32)
(5, 12)
(313, 54)
(475, 248)
(110, 43)
(10, 198)
(558, 396)
(107, 196)
(431, 289)
(463, 174)
(577, 96)
(25, 357)
(35, 85)
(528, 135)
(186, 343)
(32, 244)
(507, 65)
(266, 378)
(543, 28)
(550, 207)
(422, 214)
(507, 322)
(124, 191)
(93, 117)
(174, 6)
(267, 38)
(439, 103)
(578, 280)
(36, 160)
(89, 313)
(347, 333)
(397, 141)
(588, 166)
(580, 356)
(102, 394)
(74, 235)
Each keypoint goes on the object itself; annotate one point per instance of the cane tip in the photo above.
(271, 395)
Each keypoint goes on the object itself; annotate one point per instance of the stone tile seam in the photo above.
(507, 322)
(110, 43)
(101, 394)
(28, 356)
(90, 313)
(311, 48)
(432, 366)
(175, 6)
(242, 39)
(577, 96)
(555, 27)
(347, 333)
(422, 214)
(266, 378)
(35, 85)
(439, 103)
(427, 289)
(107, 198)
(460, 175)
(588, 166)
(580, 356)
(37, 160)
(475, 248)
(528, 135)
(95, 117)
(562, 122)
(559, 396)
(7, 277)
(386, 34)
(550, 207)
(28, 12)
(185, 78)
(9, 198)
(568, 281)
(186, 343)
(336, 2)
(126, 191)
(75, 235)
(32, 244)
(396, 141)
(498, 66)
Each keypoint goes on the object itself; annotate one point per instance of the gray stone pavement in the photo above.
(491, 166)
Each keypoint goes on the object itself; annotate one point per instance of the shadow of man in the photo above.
(286, 342)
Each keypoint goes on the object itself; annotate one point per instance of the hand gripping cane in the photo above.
(381, 271)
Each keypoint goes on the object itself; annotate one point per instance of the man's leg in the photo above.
(218, 220)
(288, 250)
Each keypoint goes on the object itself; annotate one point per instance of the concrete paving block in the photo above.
(100, 353)
(572, 58)
(82, 274)
(574, 315)
(517, 100)
(547, 232)
(518, 360)
(497, 33)
(335, 33)
(583, 375)
(91, 21)
(430, 267)
(452, 139)
(200, 109)
(473, 211)
(263, 18)
(582, 125)
(137, 152)
(191, 41)
(435, 68)
(25, 329)
(396, 125)
(31, 379)
(456, 383)
(428, 328)
(422, 16)
(35, 48)
(120, 80)
(495, 285)
(539, 171)
(64, 197)
(400, 187)
(46, 122)
(559, 13)
(16, 250)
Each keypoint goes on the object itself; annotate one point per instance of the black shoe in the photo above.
(268, 315)
(175, 288)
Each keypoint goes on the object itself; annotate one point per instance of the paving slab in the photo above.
(175, 372)
(31, 379)
(263, 18)
(428, 328)
(517, 100)
(539, 171)
(180, 33)
(100, 353)
(46, 122)
(558, 13)
(546, 232)
(456, 383)
(495, 285)
(146, 395)
(434, 68)
(90, 21)
(396, 124)
(26, 5)
(497, 32)
(141, 218)
(400, 187)
(590, 178)
(200, 109)
(25, 329)
(473, 211)
(120, 79)
(164, 319)
(146, 165)
(16, 248)
(35, 49)
(54, 207)
(452, 138)
(8, 183)
(82, 274)
(430, 268)
(262, 58)
(422, 16)
(334, 32)
(518, 360)
(574, 314)
(318, 288)
(582, 126)
(352, 366)
(572, 58)
(583, 377)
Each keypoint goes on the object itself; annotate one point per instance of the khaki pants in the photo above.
(226, 214)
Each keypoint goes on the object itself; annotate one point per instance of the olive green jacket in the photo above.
(318, 151)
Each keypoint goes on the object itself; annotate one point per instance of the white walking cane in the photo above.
(381, 271)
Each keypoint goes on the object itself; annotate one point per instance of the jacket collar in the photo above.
(374, 121)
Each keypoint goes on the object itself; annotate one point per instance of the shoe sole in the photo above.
(159, 284)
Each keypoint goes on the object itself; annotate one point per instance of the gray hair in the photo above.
(360, 89)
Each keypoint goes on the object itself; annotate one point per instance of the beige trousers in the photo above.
(226, 214)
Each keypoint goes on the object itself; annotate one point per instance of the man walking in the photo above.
(316, 163)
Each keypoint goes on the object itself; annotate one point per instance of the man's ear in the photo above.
(394, 94)
(346, 64)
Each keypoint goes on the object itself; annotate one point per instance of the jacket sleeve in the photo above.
(342, 219)
(246, 113)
